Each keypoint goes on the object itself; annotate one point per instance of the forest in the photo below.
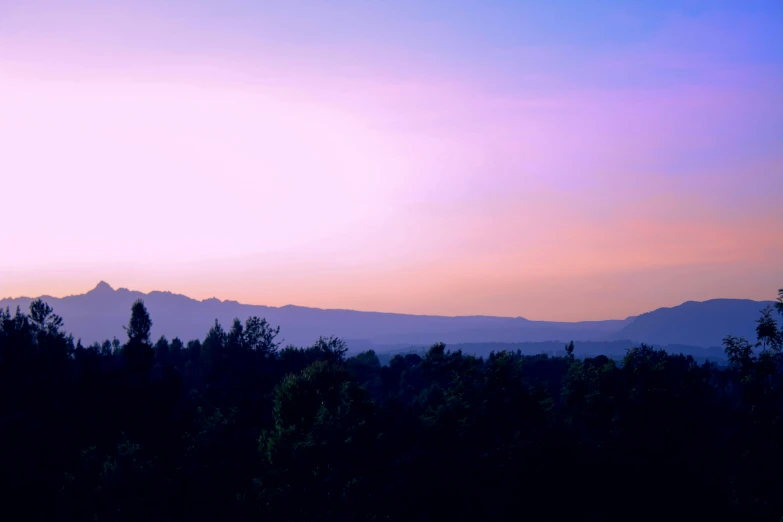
(236, 426)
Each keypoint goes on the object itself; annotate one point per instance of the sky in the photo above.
(559, 160)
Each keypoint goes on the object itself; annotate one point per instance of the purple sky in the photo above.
(559, 160)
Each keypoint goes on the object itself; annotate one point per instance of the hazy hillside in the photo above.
(696, 323)
(100, 314)
(612, 349)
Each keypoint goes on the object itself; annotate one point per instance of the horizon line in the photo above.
(103, 283)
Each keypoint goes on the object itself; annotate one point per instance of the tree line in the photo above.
(236, 427)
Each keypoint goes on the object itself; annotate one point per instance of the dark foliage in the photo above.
(232, 427)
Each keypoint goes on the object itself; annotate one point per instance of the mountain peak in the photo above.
(102, 287)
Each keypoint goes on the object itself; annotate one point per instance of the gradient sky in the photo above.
(553, 160)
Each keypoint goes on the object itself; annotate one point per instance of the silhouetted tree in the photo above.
(769, 338)
(162, 350)
(41, 314)
(570, 350)
(139, 355)
(260, 336)
(140, 324)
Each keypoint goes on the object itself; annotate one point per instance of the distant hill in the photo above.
(612, 349)
(100, 314)
(696, 323)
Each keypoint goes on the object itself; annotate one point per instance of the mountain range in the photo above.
(100, 314)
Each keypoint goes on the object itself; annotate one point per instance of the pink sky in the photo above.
(549, 179)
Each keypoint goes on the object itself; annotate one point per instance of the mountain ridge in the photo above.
(100, 313)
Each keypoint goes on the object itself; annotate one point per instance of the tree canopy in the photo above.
(234, 427)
